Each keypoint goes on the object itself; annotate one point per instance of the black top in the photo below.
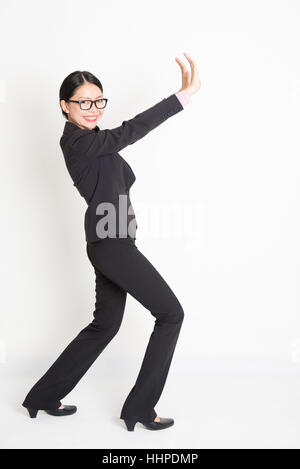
(101, 174)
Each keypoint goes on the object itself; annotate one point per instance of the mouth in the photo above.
(90, 118)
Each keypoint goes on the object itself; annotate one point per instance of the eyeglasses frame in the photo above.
(91, 103)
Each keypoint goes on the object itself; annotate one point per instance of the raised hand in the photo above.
(190, 81)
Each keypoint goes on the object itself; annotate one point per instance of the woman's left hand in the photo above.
(190, 82)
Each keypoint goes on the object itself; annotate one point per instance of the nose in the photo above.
(94, 105)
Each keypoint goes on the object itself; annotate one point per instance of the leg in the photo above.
(80, 354)
(122, 262)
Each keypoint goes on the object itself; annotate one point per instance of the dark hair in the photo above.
(72, 81)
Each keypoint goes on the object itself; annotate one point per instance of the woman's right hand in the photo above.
(190, 82)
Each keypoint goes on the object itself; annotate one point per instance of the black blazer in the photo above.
(97, 169)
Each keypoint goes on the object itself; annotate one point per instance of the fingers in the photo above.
(181, 64)
(191, 61)
(189, 78)
(192, 65)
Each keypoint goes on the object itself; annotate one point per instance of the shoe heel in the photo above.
(130, 423)
(32, 412)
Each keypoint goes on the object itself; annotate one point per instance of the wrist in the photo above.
(183, 98)
(187, 92)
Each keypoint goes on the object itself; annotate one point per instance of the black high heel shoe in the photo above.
(67, 410)
(151, 425)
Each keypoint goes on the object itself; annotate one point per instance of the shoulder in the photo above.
(74, 137)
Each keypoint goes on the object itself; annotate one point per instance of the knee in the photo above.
(108, 326)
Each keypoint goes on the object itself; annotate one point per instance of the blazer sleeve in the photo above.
(94, 144)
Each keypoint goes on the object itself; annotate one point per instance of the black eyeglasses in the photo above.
(86, 104)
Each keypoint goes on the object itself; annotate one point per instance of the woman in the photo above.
(104, 179)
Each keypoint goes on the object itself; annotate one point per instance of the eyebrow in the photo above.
(87, 97)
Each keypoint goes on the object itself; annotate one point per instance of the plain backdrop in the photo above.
(216, 199)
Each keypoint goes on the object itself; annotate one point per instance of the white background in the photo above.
(231, 158)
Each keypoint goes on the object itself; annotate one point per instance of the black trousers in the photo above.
(120, 268)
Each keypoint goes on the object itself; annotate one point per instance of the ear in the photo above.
(64, 106)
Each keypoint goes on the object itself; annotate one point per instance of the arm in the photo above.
(94, 144)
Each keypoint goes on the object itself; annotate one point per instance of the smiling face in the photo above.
(85, 119)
